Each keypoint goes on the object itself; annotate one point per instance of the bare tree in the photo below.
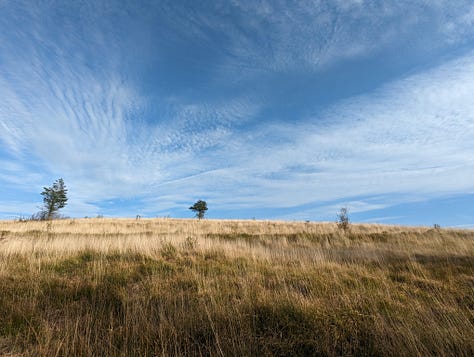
(343, 219)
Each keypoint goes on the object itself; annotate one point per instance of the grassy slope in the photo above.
(178, 287)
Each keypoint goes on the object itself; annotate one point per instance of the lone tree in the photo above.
(343, 219)
(200, 207)
(54, 198)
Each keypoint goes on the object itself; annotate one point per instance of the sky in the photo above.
(285, 110)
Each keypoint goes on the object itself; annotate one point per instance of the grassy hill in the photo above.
(95, 287)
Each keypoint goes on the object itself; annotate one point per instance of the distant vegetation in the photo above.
(165, 287)
(343, 219)
(200, 208)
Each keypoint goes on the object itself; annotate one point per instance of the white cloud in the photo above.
(68, 101)
(412, 138)
(312, 35)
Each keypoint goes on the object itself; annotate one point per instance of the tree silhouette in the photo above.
(200, 207)
(54, 198)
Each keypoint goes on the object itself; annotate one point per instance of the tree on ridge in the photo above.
(200, 207)
(54, 198)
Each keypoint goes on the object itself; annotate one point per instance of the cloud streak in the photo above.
(411, 138)
(116, 105)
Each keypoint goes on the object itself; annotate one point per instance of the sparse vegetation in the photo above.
(343, 219)
(172, 287)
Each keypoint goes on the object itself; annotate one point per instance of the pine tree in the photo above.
(54, 198)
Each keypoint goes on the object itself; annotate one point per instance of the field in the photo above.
(168, 287)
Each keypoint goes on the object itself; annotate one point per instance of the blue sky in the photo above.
(266, 109)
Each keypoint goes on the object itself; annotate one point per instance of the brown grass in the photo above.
(148, 287)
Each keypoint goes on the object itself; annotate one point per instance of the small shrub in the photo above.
(343, 219)
(190, 243)
(168, 250)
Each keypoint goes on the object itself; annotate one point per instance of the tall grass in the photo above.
(149, 287)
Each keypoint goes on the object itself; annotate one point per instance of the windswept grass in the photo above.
(96, 287)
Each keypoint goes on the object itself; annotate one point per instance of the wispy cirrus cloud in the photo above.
(162, 103)
(81, 117)
(410, 139)
(311, 35)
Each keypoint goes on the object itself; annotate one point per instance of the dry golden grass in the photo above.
(95, 287)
